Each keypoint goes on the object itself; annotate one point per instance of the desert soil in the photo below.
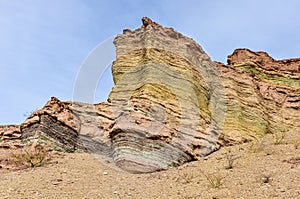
(262, 169)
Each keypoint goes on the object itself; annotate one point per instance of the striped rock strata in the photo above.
(168, 100)
(10, 132)
(171, 104)
(54, 125)
(263, 96)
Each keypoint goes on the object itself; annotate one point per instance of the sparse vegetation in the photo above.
(215, 180)
(186, 177)
(32, 156)
(278, 138)
(28, 113)
(297, 144)
(257, 146)
(230, 159)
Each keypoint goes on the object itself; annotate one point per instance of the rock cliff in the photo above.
(263, 95)
(171, 104)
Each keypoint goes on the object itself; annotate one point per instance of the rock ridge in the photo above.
(171, 104)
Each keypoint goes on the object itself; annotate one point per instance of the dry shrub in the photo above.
(34, 155)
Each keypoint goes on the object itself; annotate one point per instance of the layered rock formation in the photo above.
(10, 132)
(55, 125)
(168, 95)
(171, 104)
(263, 95)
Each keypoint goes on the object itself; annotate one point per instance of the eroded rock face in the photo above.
(263, 95)
(171, 104)
(10, 132)
(164, 100)
(53, 125)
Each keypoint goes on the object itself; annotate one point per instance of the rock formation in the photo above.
(147, 21)
(10, 132)
(171, 104)
(263, 95)
(54, 124)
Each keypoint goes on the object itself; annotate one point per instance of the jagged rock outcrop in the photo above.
(10, 132)
(165, 97)
(148, 22)
(171, 104)
(54, 125)
(263, 95)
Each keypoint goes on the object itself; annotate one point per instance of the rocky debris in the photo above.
(56, 181)
(293, 160)
(148, 22)
(169, 102)
(10, 132)
(105, 173)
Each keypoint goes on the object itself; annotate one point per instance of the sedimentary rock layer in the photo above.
(171, 104)
(263, 95)
(10, 132)
(164, 99)
(54, 125)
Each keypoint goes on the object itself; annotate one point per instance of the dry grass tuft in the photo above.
(215, 180)
(278, 138)
(32, 156)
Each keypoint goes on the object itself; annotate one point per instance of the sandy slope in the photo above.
(261, 170)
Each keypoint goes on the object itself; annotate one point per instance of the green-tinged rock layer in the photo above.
(263, 95)
(171, 104)
(166, 89)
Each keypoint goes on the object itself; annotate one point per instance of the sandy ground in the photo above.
(260, 170)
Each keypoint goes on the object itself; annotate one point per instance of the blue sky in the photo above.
(44, 43)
